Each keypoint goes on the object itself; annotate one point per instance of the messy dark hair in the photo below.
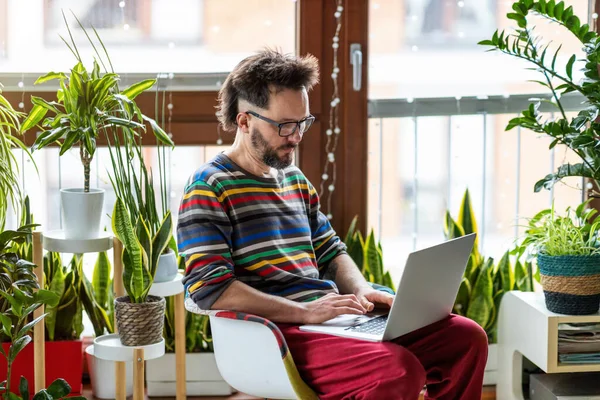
(254, 78)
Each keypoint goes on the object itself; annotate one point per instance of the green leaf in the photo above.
(25, 329)
(351, 230)
(42, 395)
(43, 103)
(101, 278)
(16, 307)
(461, 304)
(53, 136)
(160, 241)
(24, 388)
(159, 132)
(558, 10)
(46, 297)
(452, 229)
(6, 324)
(506, 273)
(35, 116)
(59, 388)
(564, 171)
(18, 345)
(482, 301)
(570, 66)
(49, 77)
(72, 138)
(134, 90)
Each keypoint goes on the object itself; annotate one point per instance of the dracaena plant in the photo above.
(88, 104)
(580, 134)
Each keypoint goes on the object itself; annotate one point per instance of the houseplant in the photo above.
(18, 299)
(87, 104)
(579, 133)
(567, 249)
(9, 170)
(140, 316)
(485, 282)
(367, 255)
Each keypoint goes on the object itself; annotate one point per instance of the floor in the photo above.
(489, 393)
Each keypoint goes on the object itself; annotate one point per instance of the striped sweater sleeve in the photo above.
(204, 239)
(326, 242)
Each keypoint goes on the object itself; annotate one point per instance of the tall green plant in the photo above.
(9, 166)
(97, 296)
(367, 255)
(580, 134)
(485, 282)
(88, 103)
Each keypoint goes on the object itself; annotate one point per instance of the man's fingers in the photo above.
(348, 302)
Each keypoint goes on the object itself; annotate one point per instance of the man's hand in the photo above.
(330, 306)
(370, 298)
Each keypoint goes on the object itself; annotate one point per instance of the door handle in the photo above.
(356, 61)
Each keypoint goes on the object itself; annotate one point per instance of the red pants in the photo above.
(449, 356)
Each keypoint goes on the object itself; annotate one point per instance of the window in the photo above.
(145, 36)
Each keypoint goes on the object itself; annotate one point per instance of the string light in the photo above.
(333, 131)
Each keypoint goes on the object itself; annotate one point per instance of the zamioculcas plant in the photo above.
(580, 134)
(484, 282)
(367, 255)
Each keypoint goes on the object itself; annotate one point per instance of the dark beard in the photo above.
(269, 154)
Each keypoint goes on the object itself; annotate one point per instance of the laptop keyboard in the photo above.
(375, 326)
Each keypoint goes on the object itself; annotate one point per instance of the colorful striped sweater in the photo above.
(266, 232)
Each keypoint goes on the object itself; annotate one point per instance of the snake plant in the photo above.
(484, 281)
(580, 134)
(367, 255)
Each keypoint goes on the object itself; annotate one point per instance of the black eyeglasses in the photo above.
(287, 128)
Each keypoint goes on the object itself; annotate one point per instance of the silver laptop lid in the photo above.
(428, 286)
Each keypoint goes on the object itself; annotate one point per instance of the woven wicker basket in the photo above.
(571, 283)
(140, 324)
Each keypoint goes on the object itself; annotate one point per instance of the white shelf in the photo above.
(169, 288)
(55, 241)
(109, 347)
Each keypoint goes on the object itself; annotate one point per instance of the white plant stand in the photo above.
(55, 241)
(175, 288)
(526, 328)
(109, 347)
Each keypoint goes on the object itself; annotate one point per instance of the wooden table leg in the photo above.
(39, 354)
(121, 381)
(138, 374)
(180, 346)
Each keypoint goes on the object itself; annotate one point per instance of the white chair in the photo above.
(252, 355)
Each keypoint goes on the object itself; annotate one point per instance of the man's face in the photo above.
(284, 106)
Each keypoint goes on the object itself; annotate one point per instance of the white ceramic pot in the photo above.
(202, 376)
(166, 269)
(102, 375)
(82, 212)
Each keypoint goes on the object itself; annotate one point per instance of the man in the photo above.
(255, 241)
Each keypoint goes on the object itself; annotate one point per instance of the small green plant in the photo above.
(576, 233)
(20, 296)
(97, 296)
(484, 282)
(368, 256)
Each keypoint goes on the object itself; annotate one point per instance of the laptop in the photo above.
(426, 294)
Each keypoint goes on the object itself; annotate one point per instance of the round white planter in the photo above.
(102, 375)
(166, 270)
(82, 212)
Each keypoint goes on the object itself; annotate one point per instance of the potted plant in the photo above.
(568, 255)
(87, 104)
(203, 377)
(581, 132)
(9, 170)
(139, 315)
(18, 301)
